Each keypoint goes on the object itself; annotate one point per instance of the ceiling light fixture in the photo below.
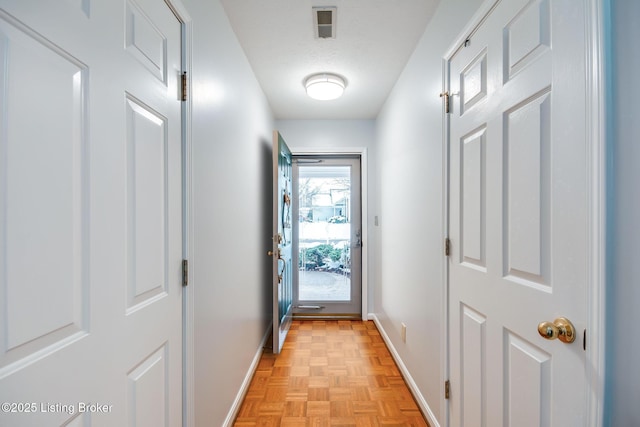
(325, 86)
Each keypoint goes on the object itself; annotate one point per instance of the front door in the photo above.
(328, 237)
(518, 177)
(282, 241)
(90, 214)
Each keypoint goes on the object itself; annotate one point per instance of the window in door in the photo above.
(328, 236)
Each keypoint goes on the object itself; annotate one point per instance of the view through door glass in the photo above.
(328, 237)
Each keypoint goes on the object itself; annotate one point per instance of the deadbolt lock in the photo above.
(272, 253)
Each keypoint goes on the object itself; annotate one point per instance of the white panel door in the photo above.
(90, 214)
(518, 217)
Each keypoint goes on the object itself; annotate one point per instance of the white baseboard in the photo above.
(237, 403)
(413, 387)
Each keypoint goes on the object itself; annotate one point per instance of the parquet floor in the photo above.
(329, 374)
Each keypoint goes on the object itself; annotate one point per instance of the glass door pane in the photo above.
(324, 238)
(328, 212)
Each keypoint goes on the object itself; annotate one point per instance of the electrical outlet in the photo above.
(403, 332)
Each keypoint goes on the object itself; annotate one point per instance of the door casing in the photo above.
(333, 309)
(362, 152)
(188, 377)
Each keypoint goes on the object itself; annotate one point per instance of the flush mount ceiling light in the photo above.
(325, 86)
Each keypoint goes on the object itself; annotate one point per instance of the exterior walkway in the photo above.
(324, 286)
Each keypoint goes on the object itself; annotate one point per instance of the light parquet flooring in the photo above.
(329, 374)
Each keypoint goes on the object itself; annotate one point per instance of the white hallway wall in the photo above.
(623, 281)
(409, 285)
(231, 176)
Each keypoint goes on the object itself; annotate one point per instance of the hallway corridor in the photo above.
(329, 373)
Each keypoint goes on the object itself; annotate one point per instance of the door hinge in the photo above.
(447, 247)
(445, 95)
(184, 86)
(447, 389)
(185, 272)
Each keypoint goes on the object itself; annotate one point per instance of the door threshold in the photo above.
(327, 316)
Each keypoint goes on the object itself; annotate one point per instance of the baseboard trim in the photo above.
(413, 387)
(237, 403)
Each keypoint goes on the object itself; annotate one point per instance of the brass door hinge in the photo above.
(185, 272)
(445, 95)
(447, 247)
(447, 389)
(184, 86)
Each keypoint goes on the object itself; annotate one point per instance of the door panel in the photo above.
(147, 196)
(282, 241)
(518, 197)
(526, 176)
(48, 304)
(91, 213)
(527, 383)
(473, 366)
(327, 236)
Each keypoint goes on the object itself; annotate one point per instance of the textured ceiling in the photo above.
(374, 40)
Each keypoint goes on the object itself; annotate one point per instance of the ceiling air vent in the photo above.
(324, 22)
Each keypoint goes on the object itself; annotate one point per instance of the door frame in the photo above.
(353, 162)
(595, 25)
(188, 356)
(362, 152)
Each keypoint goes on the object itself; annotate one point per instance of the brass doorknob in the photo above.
(270, 253)
(561, 328)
